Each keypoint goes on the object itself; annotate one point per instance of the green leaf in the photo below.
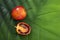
(42, 15)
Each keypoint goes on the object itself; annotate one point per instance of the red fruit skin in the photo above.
(18, 13)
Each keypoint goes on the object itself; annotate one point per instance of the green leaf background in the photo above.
(42, 15)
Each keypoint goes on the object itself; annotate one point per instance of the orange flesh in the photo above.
(22, 29)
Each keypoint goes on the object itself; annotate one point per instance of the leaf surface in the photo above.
(42, 15)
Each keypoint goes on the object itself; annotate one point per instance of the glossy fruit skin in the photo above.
(18, 13)
(27, 27)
